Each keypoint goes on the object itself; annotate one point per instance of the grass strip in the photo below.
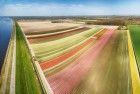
(135, 36)
(133, 67)
(26, 80)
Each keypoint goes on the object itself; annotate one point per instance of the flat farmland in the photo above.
(63, 44)
(84, 59)
(41, 27)
(54, 36)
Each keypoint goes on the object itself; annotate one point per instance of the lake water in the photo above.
(5, 33)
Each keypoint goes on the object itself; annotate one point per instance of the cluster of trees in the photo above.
(106, 22)
(97, 20)
(114, 21)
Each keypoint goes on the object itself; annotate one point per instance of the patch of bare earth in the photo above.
(43, 26)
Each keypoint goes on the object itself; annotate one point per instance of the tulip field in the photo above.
(82, 59)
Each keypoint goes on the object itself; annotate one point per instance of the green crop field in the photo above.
(26, 81)
(135, 36)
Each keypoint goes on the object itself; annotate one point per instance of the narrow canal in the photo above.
(5, 33)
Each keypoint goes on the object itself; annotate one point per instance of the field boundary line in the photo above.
(51, 34)
(133, 67)
(43, 81)
(13, 71)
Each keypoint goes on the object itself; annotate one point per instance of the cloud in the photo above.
(54, 9)
(131, 8)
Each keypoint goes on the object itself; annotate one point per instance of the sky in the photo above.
(68, 7)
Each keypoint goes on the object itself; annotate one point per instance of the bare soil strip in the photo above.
(46, 38)
(41, 27)
(55, 33)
